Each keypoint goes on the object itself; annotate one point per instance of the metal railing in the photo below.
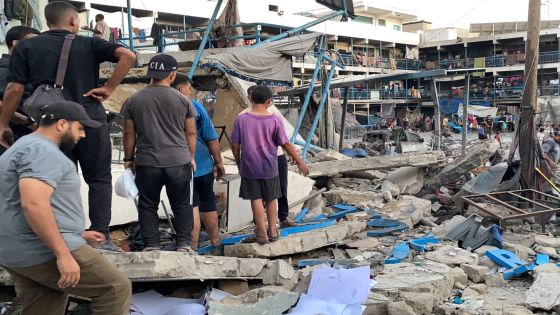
(495, 61)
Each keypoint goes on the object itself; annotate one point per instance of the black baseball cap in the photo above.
(70, 111)
(160, 66)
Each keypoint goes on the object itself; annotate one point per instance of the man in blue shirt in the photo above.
(209, 164)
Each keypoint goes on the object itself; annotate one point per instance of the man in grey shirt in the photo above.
(159, 143)
(42, 221)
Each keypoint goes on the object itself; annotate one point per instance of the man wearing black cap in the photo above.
(44, 246)
(35, 61)
(159, 144)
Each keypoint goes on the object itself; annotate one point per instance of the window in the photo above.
(396, 27)
(363, 19)
(381, 22)
(273, 8)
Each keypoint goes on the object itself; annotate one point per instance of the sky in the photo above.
(455, 13)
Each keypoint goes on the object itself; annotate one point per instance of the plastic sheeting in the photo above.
(450, 106)
(480, 111)
(269, 62)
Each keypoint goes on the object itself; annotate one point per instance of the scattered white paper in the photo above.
(336, 292)
(153, 303)
(218, 295)
(352, 285)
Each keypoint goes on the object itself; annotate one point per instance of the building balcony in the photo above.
(498, 61)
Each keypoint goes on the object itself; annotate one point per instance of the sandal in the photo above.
(186, 249)
(274, 238)
(255, 239)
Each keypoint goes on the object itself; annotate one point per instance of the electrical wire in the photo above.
(457, 20)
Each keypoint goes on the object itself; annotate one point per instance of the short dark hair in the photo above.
(100, 16)
(47, 122)
(260, 94)
(19, 33)
(56, 11)
(178, 83)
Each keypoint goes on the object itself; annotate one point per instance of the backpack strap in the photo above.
(63, 61)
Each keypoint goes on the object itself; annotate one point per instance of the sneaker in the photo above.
(110, 246)
(287, 223)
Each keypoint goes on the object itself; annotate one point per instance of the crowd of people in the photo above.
(169, 141)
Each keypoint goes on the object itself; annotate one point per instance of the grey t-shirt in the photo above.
(159, 114)
(552, 149)
(34, 156)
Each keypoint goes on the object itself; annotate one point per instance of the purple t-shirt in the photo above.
(259, 137)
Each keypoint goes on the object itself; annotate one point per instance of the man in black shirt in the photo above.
(19, 123)
(35, 61)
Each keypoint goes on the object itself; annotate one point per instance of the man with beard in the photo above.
(44, 246)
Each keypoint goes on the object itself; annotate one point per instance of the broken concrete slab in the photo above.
(164, 265)
(550, 268)
(297, 243)
(430, 277)
(475, 156)
(408, 210)
(266, 300)
(409, 179)
(393, 189)
(376, 304)
(420, 302)
(523, 252)
(329, 155)
(547, 241)
(331, 168)
(495, 280)
(459, 276)
(364, 244)
(452, 256)
(360, 199)
(525, 239)
(475, 273)
(481, 288)
(544, 293)
(399, 308)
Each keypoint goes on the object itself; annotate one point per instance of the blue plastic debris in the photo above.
(208, 249)
(504, 258)
(306, 227)
(311, 262)
(518, 271)
(419, 244)
(388, 226)
(355, 152)
(343, 207)
(340, 214)
(399, 253)
(542, 259)
(299, 217)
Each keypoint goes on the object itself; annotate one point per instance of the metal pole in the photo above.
(122, 23)
(309, 91)
(319, 111)
(204, 40)
(185, 26)
(130, 34)
(437, 120)
(465, 114)
(343, 118)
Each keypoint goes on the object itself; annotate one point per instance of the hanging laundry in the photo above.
(479, 63)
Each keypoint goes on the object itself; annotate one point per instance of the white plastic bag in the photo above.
(125, 186)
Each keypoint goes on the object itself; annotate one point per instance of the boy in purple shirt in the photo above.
(255, 140)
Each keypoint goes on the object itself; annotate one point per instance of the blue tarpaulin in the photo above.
(450, 106)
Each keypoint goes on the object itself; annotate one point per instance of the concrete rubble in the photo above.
(297, 243)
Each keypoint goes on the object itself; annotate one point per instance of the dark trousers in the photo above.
(283, 209)
(94, 155)
(178, 184)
